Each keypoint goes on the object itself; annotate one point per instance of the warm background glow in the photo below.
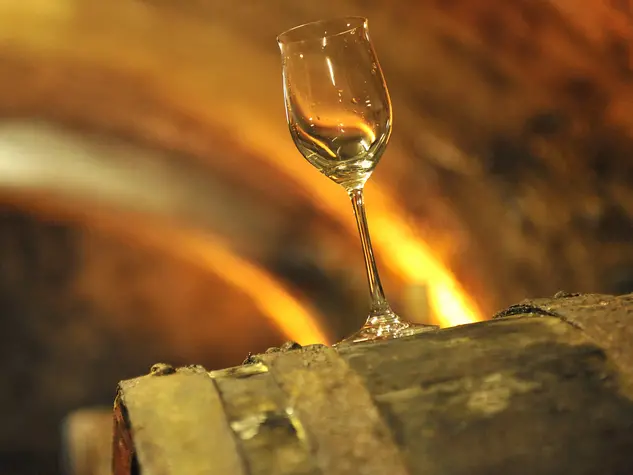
(154, 208)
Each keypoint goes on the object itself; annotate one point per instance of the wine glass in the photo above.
(339, 114)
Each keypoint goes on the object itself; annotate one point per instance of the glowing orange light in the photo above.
(197, 89)
(416, 262)
(406, 255)
(294, 318)
(286, 312)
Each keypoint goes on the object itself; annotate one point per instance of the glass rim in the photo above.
(350, 23)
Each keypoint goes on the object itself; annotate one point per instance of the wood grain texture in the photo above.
(519, 396)
(511, 156)
(534, 391)
(342, 426)
(613, 331)
(193, 415)
(269, 436)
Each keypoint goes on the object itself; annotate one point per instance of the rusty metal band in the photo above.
(343, 427)
(270, 438)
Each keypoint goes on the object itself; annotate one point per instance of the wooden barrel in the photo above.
(546, 387)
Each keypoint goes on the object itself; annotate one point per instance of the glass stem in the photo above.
(380, 308)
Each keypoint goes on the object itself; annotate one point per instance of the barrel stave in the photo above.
(522, 395)
(543, 389)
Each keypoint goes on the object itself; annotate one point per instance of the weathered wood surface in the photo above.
(511, 155)
(194, 430)
(544, 388)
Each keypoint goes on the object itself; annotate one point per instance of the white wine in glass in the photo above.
(339, 114)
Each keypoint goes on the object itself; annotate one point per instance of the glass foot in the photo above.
(385, 328)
